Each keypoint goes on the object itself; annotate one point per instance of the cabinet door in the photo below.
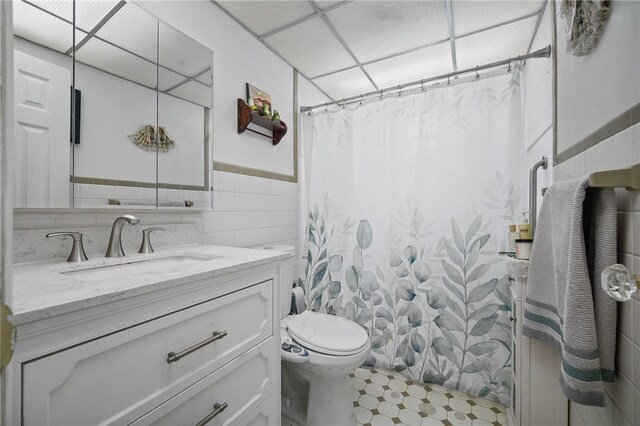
(119, 377)
(242, 385)
(516, 361)
(265, 415)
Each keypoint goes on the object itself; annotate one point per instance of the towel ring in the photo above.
(618, 283)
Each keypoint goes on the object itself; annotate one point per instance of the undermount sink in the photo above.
(136, 266)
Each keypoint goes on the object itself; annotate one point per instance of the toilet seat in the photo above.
(327, 334)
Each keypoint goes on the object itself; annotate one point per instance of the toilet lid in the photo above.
(327, 334)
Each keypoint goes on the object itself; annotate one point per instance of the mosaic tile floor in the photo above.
(382, 397)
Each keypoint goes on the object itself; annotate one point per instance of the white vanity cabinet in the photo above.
(536, 396)
(207, 352)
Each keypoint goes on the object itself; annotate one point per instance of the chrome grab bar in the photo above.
(533, 187)
(173, 357)
(217, 409)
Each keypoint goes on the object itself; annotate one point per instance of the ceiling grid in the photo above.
(388, 43)
(342, 42)
(476, 32)
(342, 47)
(452, 40)
(102, 40)
(540, 14)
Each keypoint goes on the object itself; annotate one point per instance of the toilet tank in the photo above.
(288, 277)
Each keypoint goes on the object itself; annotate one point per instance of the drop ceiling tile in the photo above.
(194, 92)
(42, 28)
(168, 79)
(133, 29)
(469, 16)
(324, 4)
(311, 47)
(375, 29)
(88, 12)
(496, 44)
(344, 84)
(206, 78)
(181, 53)
(111, 59)
(262, 17)
(423, 63)
(61, 9)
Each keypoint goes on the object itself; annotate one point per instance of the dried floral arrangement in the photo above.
(585, 23)
(146, 139)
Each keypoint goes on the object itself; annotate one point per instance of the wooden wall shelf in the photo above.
(247, 116)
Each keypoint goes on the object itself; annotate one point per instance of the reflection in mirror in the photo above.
(184, 115)
(98, 121)
(116, 75)
(43, 65)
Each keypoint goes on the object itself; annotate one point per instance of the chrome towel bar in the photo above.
(621, 178)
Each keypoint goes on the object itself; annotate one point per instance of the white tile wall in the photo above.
(88, 196)
(623, 396)
(249, 211)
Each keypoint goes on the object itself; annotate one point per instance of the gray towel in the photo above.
(565, 304)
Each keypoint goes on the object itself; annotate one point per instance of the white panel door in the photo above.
(42, 98)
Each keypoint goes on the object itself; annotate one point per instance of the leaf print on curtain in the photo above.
(408, 204)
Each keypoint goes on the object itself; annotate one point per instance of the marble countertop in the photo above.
(517, 267)
(45, 289)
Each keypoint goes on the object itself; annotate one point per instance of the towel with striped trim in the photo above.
(565, 305)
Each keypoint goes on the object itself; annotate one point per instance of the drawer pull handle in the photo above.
(217, 409)
(173, 357)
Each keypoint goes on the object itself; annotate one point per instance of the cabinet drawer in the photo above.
(119, 377)
(242, 385)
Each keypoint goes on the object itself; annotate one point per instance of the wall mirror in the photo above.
(122, 119)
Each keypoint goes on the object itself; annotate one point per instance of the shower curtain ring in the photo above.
(448, 82)
(399, 91)
(509, 68)
(326, 107)
(477, 75)
(422, 85)
(381, 95)
(361, 99)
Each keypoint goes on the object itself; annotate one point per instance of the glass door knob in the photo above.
(618, 283)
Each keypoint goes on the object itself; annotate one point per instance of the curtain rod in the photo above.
(542, 53)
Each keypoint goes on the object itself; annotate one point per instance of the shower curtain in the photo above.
(408, 202)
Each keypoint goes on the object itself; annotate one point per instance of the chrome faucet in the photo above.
(115, 240)
(77, 251)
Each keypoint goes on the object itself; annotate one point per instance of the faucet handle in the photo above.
(77, 251)
(146, 247)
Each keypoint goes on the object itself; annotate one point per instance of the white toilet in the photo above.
(318, 353)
